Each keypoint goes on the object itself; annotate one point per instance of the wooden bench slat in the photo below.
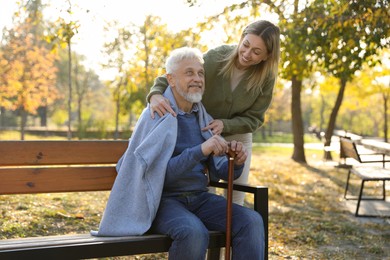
(65, 179)
(15, 153)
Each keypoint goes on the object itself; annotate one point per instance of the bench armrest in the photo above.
(260, 194)
(376, 153)
(383, 161)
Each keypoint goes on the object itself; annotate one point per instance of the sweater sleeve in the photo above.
(159, 87)
(182, 163)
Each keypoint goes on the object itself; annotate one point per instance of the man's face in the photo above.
(187, 81)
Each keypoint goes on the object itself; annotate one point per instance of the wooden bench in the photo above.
(29, 167)
(366, 174)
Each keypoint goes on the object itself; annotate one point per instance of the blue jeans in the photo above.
(187, 219)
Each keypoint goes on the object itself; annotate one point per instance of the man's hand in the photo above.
(161, 105)
(216, 126)
(215, 145)
(240, 151)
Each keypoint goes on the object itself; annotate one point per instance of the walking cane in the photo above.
(231, 155)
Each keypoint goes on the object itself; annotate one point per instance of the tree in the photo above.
(91, 100)
(116, 53)
(62, 34)
(279, 108)
(348, 34)
(296, 46)
(296, 43)
(28, 71)
(84, 81)
(137, 53)
(375, 83)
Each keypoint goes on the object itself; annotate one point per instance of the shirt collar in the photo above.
(195, 109)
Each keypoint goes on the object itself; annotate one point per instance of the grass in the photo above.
(15, 135)
(308, 217)
(279, 137)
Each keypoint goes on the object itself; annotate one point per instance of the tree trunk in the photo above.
(263, 133)
(70, 93)
(79, 98)
(385, 127)
(23, 117)
(79, 119)
(2, 117)
(117, 112)
(42, 111)
(297, 122)
(270, 128)
(332, 120)
(322, 112)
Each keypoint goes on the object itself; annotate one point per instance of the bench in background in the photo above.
(30, 167)
(365, 173)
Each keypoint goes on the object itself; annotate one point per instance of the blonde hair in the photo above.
(265, 70)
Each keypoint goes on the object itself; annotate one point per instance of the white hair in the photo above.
(180, 54)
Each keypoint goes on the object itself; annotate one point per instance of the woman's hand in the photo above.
(216, 126)
(161, 105)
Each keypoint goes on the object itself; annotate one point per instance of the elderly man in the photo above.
(170, 160)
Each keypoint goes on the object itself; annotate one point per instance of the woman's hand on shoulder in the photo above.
(161, 105)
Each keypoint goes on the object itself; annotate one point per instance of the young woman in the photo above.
(239, 86)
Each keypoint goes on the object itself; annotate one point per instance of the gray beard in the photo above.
(193, 98)
(190, 97)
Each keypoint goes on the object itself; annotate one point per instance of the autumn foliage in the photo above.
(28, 74)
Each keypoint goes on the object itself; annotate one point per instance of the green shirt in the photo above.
(240, 111)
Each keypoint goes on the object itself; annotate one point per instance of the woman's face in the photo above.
(251, 51)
